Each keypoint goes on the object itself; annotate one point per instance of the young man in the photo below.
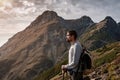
(73, 57)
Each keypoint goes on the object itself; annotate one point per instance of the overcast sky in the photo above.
(16, 15)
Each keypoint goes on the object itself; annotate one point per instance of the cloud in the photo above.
(96, 9)
(68, 9)
(17, 7)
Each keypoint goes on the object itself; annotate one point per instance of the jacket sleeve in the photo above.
(77, 50)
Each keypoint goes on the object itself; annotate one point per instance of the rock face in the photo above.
(38, 47)
(100, 34)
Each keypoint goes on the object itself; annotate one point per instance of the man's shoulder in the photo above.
(77, 44)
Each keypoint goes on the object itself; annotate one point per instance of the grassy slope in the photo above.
(105, 55)
(107, 60)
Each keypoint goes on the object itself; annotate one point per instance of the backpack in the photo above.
(85, 60)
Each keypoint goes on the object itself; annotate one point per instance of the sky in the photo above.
(16, 15)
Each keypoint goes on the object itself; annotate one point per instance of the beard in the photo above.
(68, 40)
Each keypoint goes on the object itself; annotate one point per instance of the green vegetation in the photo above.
(103, 49)
(107, 54)
(105, 59)
(48, 74)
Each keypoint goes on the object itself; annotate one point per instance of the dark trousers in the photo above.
(76, 76)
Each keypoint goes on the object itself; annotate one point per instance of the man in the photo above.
(73, 57)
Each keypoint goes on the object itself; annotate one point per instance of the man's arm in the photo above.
(76, 54)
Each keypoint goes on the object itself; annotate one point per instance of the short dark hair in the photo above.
(73, 33)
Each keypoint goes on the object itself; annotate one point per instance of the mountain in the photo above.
(39, 47)
(105, 59)
(100, 34)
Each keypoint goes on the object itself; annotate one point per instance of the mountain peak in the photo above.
(46, 17)
(109, 21)
(50, 13)
(109, 18)
(86, 19)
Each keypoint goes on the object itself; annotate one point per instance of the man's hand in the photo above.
(64, 69)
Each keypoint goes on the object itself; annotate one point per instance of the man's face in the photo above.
(68, 37)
